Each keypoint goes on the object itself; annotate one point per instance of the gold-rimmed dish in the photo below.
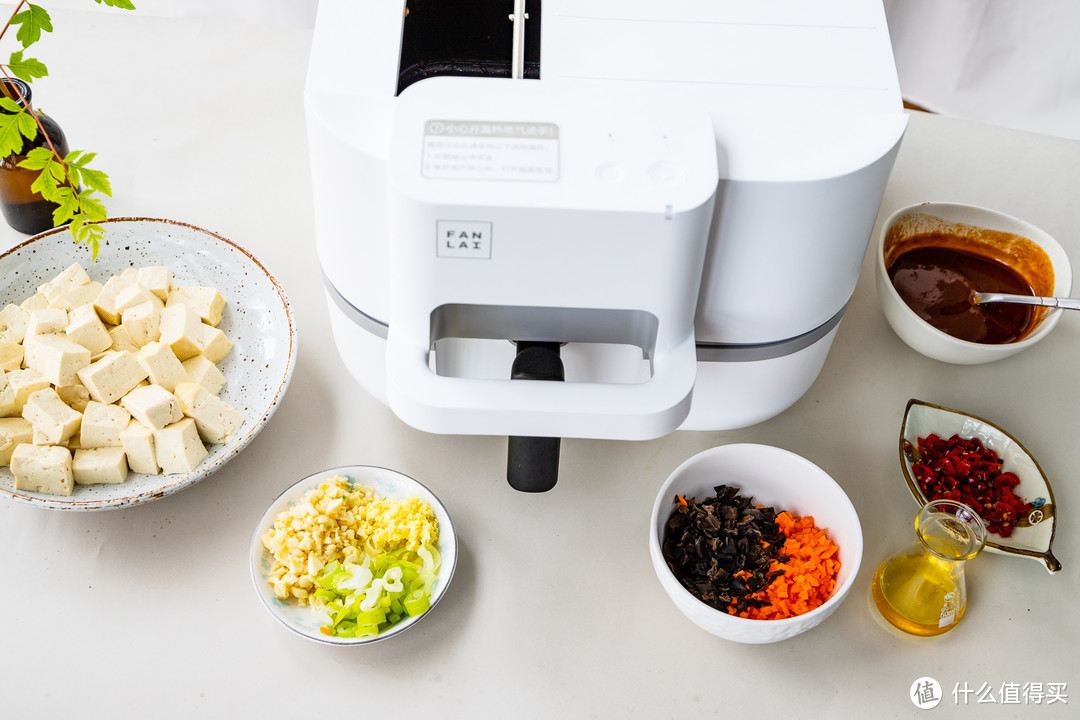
(258, 320)
(1033, 534)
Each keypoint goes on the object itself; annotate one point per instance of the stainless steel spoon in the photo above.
(1054, 302)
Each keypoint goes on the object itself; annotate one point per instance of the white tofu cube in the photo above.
(85, 327)
(122, 340)
(37, 301)
(153, 406)
(69, 279)
(92, 466)
(181, 329)
(46, 322)
(206, 302)
(157, 279)
(82, 295)
(112, 376)
(215, 344)
(102, 425)
(76, 397)
(138, 443)
(40, 438)
(161, 365)
(134, 293)
(11, 355)
(201, 370)
(42, 468)
(216, 420)
(7, 398)
(24, 383)
(105, 302)
(143, 321)
(56, 357)
(51, 417)
(178, 447)
(13, 431)
(13, 321)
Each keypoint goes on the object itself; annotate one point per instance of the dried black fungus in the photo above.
(709, 543)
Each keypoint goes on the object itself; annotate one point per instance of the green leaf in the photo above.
(79, 158)
(32, 22)
(13, 128)
(26, 68)
(11, 140)
(125, 4)
(92, 208)
(46, 185)
(96, 180)
(59, 171)
(89, 234)
(10, 105)
(67, 205)
(27, 125)
(37, 159)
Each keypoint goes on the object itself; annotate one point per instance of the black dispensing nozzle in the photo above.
(532, 463)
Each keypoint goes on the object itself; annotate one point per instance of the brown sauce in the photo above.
(938, 282)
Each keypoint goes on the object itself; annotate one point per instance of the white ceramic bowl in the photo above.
(301, 619)
(773, 477)
(927, 339)
(258, 320)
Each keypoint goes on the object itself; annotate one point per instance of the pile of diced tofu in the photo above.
(97, 379)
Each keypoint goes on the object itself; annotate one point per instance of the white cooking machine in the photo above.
(594, 218)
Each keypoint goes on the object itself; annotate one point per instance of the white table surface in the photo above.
(554, 610)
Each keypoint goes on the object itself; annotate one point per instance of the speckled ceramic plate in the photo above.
(302, 619)
(258, 320)
(1033, 535)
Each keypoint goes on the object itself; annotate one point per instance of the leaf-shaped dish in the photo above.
(1033, 535)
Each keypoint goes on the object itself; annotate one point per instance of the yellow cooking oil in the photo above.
(921, 591)
(918, 594)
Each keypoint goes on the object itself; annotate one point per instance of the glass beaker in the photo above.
(921, 589)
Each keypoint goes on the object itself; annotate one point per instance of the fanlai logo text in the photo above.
(463, 239)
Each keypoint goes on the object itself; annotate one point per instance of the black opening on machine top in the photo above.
(465, 37)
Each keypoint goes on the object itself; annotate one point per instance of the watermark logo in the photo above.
(925, 693)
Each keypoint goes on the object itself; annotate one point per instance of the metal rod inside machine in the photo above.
(517, 59)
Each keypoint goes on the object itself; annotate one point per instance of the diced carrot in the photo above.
(809, 575)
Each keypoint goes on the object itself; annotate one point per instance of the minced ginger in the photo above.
(337, 521)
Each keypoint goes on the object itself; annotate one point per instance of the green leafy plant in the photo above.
(68, 181)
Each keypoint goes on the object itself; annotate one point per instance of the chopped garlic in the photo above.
(336, 521)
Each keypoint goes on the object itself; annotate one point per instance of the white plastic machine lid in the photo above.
(826, 55)
(522, 143)
(798, 89)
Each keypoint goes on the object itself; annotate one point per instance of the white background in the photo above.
(1007, 62)
(554, 611)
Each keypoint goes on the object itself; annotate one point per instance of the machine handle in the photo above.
(532, 462)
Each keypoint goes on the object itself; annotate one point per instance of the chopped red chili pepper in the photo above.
(963, 469)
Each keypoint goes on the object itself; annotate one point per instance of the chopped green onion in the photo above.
(366, 598)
